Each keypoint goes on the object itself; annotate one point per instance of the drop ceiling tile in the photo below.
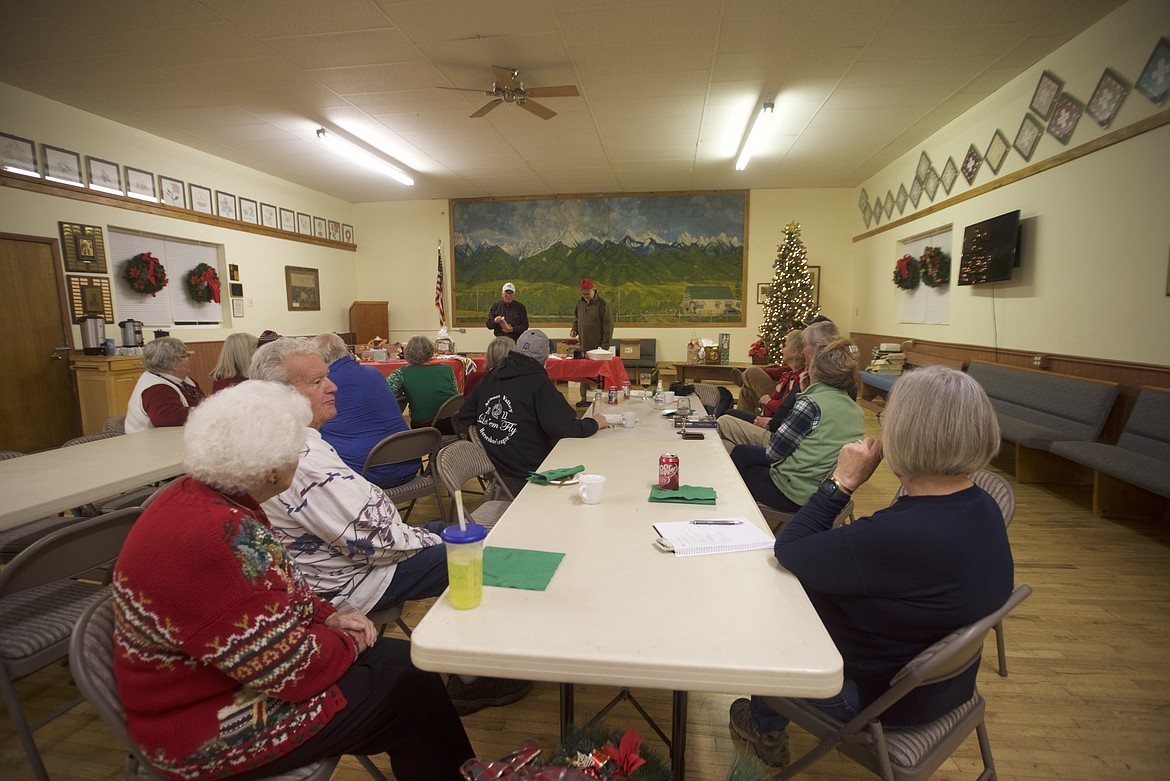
(40, 43)
(378, 78)
(467, 19)
(279, 18)
(238, 135)
(922, 95)
(898, 43)
(639, 23)
(148, 97)
(101, 16)
(405, 101)
(357, 47)
(649, 57)
(235, 75)
(200, 116)
(189, 45)
(86, 73)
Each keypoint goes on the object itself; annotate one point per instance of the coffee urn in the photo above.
(131, 333)
(93, 334)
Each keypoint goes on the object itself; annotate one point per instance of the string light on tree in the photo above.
(791, 299)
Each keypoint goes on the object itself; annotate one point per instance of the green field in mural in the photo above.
(658, 260)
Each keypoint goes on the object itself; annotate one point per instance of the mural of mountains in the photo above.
(546, 247)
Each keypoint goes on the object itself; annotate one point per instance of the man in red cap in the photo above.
(593, 322)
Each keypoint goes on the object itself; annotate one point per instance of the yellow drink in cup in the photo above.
(465, 564)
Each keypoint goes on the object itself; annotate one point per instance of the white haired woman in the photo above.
(234, 357)
(165, 393)
(426, 385)
(228, 665)
(497, 350)
(890, 585)
(804, 447)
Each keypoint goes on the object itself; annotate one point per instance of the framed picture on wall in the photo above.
(334, 230)
(140, 184)
(171, 193)
(61, 165)
(84, 248)
(1107, 97)
(237, 308)
(319, 227)
(103, 175)
(1153, 82)
(288, 220)
(303, 288)
(763, 291)
(814, 275)
(18, 155)
(1047, 91)
(1028, 136)
(1065, 118)
(268, 216)
(347, 234)
(225, 205)
(200, 198)
(997, 151)
(304, 224)
(249, 211)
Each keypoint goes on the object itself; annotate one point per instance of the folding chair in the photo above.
(407, 446)
(907, 753)
(91, 659)
(777, 518)
(1001, 491)
(448, 411)
(40, 601)
(716, 398)
(464, 460)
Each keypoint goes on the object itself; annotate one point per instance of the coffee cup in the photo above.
(629, 419)
(465, 564)
(669, 397)
(590, 488)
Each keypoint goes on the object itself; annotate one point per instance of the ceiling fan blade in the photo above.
(505, 77)
(490, 105)
(566, 91)
(537, 109)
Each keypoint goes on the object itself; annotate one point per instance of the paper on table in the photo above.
(688, 539)
(519, 568)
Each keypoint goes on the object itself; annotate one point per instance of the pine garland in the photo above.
(791, 300)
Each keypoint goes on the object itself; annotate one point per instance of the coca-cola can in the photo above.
(613, 394)
(668, 472)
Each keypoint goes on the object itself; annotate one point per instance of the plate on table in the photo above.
(571, 480)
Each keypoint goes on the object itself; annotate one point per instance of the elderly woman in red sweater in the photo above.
(227, 663)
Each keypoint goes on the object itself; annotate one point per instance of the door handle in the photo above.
(58, 353)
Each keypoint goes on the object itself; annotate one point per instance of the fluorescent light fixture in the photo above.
(759, 127)
(351, 150)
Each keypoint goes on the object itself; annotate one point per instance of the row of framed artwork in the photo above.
(19, 155)
(1052, 110)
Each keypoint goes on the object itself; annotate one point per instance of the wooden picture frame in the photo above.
(237, 308)
(140, 184)
(249, 211)
(90, 296)
(268, 216)
(319, 229)
(302, 288)
(18, 155)
(997, 150)
(1028, 136)
(1047, 91)
(62, 165)
(225, 205)
(234, 272)
(236, 289)
(103, 175)
(200, 199)
(171, 193)
(83, 248)
(288, 220)
(1107, 98)
(1065, 118)
(950, 173)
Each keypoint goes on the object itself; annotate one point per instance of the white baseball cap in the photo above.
(508, 288)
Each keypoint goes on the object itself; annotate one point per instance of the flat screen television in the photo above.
(991, 249)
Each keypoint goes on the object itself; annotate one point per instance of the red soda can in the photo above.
(613, 394)
(668, 472)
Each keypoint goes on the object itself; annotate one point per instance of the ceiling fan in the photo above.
(509, 89)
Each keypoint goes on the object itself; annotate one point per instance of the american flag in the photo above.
(439, 292)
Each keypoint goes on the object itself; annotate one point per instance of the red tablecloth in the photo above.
(386, 367)
(611, 372)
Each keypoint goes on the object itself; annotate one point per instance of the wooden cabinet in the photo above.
(104, 385)
(368, 319)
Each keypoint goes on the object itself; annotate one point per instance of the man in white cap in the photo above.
(508, 317)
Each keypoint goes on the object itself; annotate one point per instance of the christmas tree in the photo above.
(791, 299)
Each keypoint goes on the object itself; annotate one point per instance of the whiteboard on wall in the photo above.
(930, 305)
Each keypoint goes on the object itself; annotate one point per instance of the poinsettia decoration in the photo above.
(145, 274)
(203, 284)
(906, 274)
(758, 349)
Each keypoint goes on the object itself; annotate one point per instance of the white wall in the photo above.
(397, 261)
(261, 259)
(1096, 236)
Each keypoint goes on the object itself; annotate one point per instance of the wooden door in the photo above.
(38, 406)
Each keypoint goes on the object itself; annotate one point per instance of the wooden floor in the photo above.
(1088, 695)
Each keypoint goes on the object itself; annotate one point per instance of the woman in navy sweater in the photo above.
(890, 585)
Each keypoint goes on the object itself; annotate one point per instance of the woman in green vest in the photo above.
(803, 451)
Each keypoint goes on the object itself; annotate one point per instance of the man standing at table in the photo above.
(593, 322)
(508, 317)
(520, 415)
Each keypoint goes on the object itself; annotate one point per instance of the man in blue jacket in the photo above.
(519, 413)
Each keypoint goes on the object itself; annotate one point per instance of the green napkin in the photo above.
(686, 494)
(518, 568)
(549, 475)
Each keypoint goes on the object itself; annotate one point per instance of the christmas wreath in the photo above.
(145, 274)
(935, 267)
(906, 273)
(203, 284)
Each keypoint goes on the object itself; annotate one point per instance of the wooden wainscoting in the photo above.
(1130, 376)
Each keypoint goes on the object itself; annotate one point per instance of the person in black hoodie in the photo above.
(519, 413)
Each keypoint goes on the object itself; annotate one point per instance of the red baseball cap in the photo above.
(586, 284)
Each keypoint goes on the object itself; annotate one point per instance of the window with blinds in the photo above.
(171, 306)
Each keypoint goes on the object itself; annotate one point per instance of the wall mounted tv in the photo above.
(990, 250)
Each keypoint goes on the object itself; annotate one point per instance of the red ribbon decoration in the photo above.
(212, 279)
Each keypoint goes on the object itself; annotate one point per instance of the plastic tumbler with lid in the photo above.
(465, 564)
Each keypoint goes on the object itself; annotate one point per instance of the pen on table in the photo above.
(716, 523)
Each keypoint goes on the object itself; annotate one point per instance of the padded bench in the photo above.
(1131, 478)
(1037, 408)
(875, 386)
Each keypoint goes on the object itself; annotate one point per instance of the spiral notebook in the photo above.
(685, 538)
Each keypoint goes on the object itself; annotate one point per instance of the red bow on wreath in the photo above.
(210, 277)
(203, 284)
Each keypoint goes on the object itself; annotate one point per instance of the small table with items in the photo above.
(697, 372)
(607, 373)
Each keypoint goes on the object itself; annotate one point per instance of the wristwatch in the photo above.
(831, 487)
